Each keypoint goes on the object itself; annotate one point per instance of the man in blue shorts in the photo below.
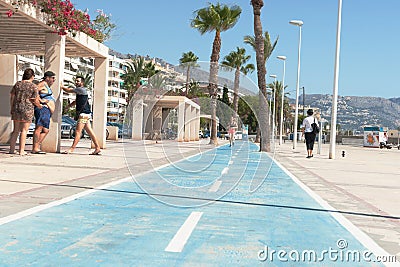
(43, 115)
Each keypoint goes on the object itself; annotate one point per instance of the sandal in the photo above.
(96, 152)
(38, 152)
(69, 151)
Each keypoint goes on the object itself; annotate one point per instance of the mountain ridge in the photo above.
(355, 112)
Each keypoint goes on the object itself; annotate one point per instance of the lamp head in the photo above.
(281, 57)
(272, 76)
(296, 22)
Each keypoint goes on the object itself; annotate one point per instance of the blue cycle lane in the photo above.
(228, 206)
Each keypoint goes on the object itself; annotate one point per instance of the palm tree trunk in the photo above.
(236, 91)
(187, 80)
(261, 72)
(212, 89)
(258, 135)
(213, 86)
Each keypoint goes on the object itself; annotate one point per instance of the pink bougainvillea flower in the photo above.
(65, 18)
(9, 13)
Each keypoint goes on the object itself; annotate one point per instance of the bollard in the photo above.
(343, 153)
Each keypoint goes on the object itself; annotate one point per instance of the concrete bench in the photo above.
(112, 133)
(352, 141)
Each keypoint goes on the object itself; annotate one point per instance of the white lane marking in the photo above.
(181, 237)
(215, 186)
(364, 239)
(39, 208)
(225, 170)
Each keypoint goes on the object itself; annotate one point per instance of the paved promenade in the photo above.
(363, 186)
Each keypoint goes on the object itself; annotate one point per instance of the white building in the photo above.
(117, 95)
(116, 101)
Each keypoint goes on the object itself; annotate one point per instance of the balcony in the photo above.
(112, 110)
(122, 101)
(112, 99)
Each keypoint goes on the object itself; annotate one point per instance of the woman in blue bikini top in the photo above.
(50, 100)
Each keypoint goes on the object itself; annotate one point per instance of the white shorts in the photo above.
(84, 118)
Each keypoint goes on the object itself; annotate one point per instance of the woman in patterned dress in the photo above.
(23, 97)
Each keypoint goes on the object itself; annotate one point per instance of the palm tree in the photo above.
(195, 90)
(277, 105)
(260, 48)
(149, 70)
(268, 47)
(132, 75)
(237, 60)
(157, 82)
(189, 60)
(218, 18)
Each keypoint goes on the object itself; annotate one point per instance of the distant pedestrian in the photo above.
(384, 138)
(307, 130)
(84, 114)
(23, 97)
(231, 131)
(43, 115)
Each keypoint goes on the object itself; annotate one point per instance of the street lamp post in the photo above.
(270, 102)
(273, 112)
(304, 102)
(332, 141)
(398, 137)
(298, 23)
(321, 127)
(283, 58)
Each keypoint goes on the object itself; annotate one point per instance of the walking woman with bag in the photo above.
(310, 130)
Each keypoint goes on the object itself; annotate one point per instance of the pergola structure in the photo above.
(26, 33)
(149, 118)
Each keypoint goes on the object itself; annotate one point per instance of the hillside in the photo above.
(357, 111)
(395, 100)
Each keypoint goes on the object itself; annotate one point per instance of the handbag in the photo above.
(315, 127)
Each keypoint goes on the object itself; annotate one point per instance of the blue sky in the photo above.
(369, 59)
